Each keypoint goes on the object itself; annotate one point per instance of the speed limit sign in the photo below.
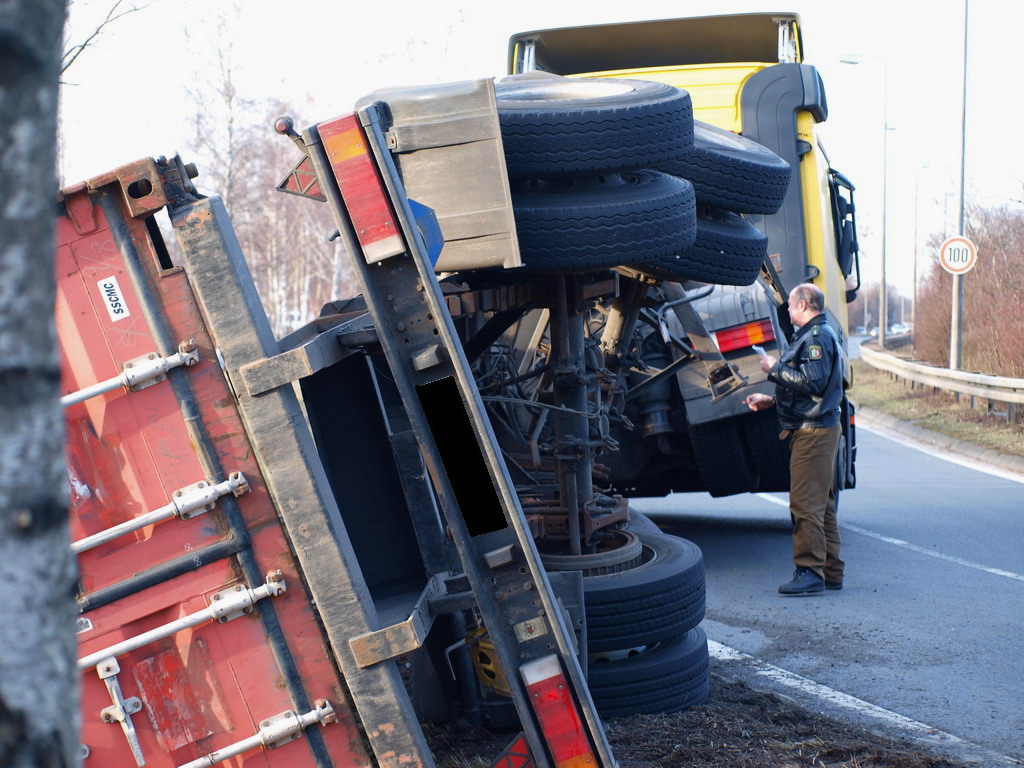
(958, 255)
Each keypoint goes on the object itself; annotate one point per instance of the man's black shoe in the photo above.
(833, 584)
(805, 582)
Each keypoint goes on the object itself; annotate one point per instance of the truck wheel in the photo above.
(641, 523)
(667, 677)
(621, 551)
(722, 459)
(659, 599)
(555, 126)
(769, 455)
(727, 250)
(732, 172)
(603, 221)
(841, 463)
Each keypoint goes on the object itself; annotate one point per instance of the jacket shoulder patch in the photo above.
(814, 352)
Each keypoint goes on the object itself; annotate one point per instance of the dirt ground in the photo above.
(737, 728)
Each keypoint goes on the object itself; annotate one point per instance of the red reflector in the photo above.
(361, 188)
(740, 336)
(560, 721)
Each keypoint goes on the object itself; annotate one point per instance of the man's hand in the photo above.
(759, 401)
(767, 362)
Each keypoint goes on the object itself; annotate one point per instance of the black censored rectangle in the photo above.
(461, 456)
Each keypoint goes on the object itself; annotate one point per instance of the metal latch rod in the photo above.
(137, 374)
(273, 732)
(226, 605)
(185, 503)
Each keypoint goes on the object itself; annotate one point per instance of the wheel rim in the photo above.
(622, 551)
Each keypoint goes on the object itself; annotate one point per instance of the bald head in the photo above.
(806, 301)
(810, 293)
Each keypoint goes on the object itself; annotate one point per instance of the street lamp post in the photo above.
(883, 293)
(956, 324)
(883, 320)
(913, 298)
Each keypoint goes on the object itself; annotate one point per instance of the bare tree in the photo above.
(296, 268)
(285, 238)
(38, 677)
(72, 52)
(117, 11)
(224, 128)
(993, 295)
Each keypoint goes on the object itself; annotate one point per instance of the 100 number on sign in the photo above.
(958, 255)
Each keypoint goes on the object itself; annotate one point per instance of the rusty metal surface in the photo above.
(284, 448)
(404, 637)
(127, 451)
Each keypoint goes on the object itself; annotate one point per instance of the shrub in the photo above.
(993, 305)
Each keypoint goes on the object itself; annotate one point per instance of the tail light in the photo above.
(361, 188)
(740, 336)
(557, 714)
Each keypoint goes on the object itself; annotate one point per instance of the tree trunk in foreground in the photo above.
(38, 679)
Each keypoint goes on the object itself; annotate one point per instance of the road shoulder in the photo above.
(876, 421)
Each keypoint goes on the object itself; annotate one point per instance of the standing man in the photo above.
(808, 390)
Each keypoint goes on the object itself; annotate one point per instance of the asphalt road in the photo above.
(929, 624)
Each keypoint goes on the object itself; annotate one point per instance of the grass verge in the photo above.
(937, 411)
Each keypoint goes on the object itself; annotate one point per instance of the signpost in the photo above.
(957, 255)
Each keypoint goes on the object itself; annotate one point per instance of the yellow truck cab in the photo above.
(745, 74)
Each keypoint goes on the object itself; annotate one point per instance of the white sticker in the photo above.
(82, 625)
(113, 299)
(531, 628)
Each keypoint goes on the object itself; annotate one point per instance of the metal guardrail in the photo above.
(993, 388)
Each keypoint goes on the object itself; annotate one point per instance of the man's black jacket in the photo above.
(808, 378)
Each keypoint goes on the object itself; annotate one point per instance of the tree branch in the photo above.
(72, 53)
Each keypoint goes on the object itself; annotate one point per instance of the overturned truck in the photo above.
(416, 506)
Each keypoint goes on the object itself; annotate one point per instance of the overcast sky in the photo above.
(126, 97)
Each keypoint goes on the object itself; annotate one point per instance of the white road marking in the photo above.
(938, 453)
(773, 499)
(930, 553)
(807, 686)
(906, 544)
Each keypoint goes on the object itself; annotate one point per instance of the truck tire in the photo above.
(604, 221)
(660, 599)
(641, 523)
(841, 463)
(559, 126)
(727, 250)
(722, 459)
(732, 172)
(668, 677)
(769, 455)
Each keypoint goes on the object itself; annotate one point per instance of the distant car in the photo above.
(900, 328)
(860, 330)
(873, 331)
